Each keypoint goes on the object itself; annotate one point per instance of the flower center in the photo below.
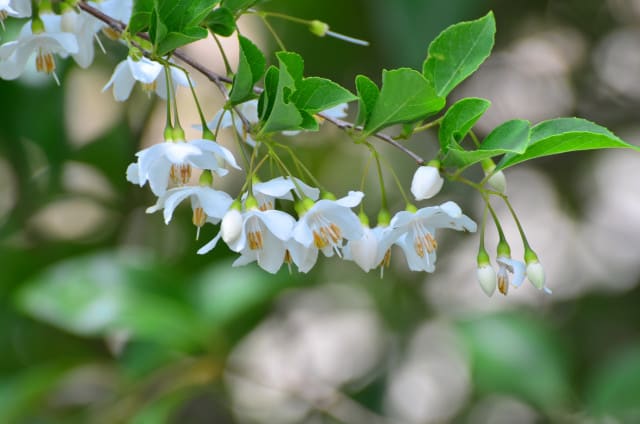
(3, 15)
(111, 33)
(326, 233)
(424, 243)
(254, 235)
(45, 62)
(180, 174)
(266, 206)
(198, 219)
(503, 279)
(149, 87)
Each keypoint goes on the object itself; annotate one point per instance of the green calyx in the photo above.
(318, 28)
(411, 208)
(530, 256)
(384, 218)
(328, 196)
(237, 205)
(206, 178)
(37, 26)
(251, 203)
(168, 134)
(207, 134)
(504, 249)
(303, 206)
(488, 166)
(483, 257)
(364, 219)
(178, 134)
(435, 163)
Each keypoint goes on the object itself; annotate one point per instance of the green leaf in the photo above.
(459, 119)
(221, 21)
(251, 66)
(317, 94)
(510, 137)
(458, 52)
(368, 93)
(565, 135)
(515, 354)
(282, 114)
(405, 96)
(236, 6)
(177, 22)
(140, 16)
(268, 96)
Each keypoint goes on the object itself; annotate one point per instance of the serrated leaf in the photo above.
(405, 96)
(221, 21)
(251, 64)
(510, 137)
(458, 52)
(317, 94)
(564, 135)
(368, 93)
(459, 119)
(282, 114)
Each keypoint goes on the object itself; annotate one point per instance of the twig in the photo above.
(220, 80)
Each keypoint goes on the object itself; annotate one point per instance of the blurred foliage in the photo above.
(124, 323)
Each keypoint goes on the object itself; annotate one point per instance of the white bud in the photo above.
(231, 226)
(426, 182)
(365, 251)
(487, 279)
(535, 274)
(498, 181)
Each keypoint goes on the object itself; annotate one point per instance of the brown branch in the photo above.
(220, 80)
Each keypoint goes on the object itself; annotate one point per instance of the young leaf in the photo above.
(368, 93)
(177, 22)
(268, 96)
(282, 114)
(405, 96)
(221, 21)
(251, 65)
(565, 135)
(140, 16)
(459, 119)
(458, 52)
(510, 137)
(317, 94)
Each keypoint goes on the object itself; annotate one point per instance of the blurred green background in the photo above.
(109, 316)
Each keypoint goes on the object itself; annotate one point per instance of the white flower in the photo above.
(414, 233)
(328, 223)
(426, 182)
(535, 274)
(262, 239)
(487, 279)
(172, 162)
(208, 204)
(84, 27)
(365, 251)
(15, 9)
(507, 265)
(226, 118)
(281, 188)
(15, 54)
(231, 226)
(148, 73)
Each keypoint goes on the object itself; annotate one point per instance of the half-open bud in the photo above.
(426, 182)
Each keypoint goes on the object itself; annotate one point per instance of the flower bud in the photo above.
(535, 274)
(487, 279)
(231, 226)
(498, 181)
(426, 182)
(318, 28)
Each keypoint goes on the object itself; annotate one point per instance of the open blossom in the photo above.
(208, 204)
(327, 223)
(15, 9)
(148, 72)
(414, 232)
(172, 162)
(47, 41)
(262, 238)
(365, 251)
(507, 266)
(281, 188)
(226, 118)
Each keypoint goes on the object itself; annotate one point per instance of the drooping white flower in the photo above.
(327, 223)
(507, 266)
(15, 9)
(282, 188)
(172, 162)
(226, 118)
(487, 279)
(84, 27)
(208, 204)
(46, 42)
(365, 251)
(262, 239)
(426, 182)
(148, 73)
(414, 232)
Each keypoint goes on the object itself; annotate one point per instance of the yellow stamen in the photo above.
(198, 219)
(503, 283)
(150, 87)
(45, 62)
(111, 33)
(255, 240)
(180, 174)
